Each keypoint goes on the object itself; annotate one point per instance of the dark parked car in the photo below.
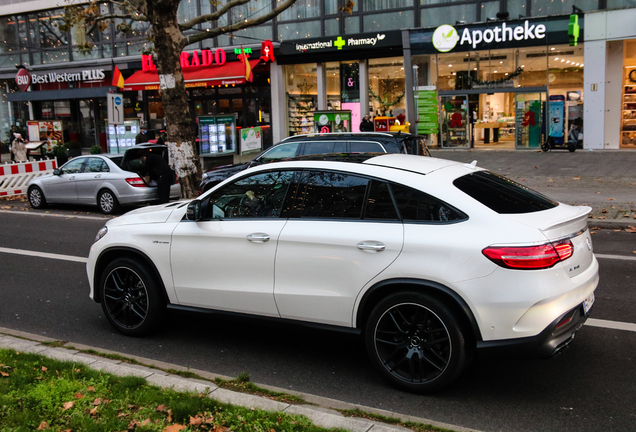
(312, 144)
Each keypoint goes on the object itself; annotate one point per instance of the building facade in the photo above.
(513, 77)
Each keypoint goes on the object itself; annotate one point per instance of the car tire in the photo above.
(107, 202)
(572, 148)
(36, 197)
(545, 146)
(416, 342)
(131, 297)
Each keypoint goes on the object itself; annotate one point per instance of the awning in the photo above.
(199, 76)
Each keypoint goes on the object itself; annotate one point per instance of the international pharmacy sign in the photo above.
(361, 41)
(493, 35)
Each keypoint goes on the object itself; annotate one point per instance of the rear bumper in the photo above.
(550, 342)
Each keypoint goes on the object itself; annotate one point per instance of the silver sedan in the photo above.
(94, 180)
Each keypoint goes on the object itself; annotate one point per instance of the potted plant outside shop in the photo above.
(59, 152)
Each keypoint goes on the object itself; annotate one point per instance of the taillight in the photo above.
(530, 257)
(136, 182)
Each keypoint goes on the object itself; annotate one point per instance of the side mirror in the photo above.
(57, 172)
(193, 211)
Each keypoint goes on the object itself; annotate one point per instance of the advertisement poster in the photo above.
(121, 137)
(46, 130)
(251, 140)
(217, 135)
(427, 110)
(557, 109)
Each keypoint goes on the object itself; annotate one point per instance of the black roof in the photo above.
(345, 135)
(335, 157)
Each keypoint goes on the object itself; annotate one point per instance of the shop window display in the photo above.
(386, 86)
(628, 102)
(302, 97)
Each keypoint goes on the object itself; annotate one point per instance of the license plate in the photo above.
(588, 302)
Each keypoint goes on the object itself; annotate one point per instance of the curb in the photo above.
(323, 411)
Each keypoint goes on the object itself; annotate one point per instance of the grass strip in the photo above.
(39, 393)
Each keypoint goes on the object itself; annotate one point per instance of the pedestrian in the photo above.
(158, 169)
(18, 148)
(366, 125)
(142, 136)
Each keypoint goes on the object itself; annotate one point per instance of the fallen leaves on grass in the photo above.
(67, 406)
(174, 428)
(43, 425)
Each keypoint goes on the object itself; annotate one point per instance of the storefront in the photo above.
(219, 93)
(70, 99)
(610, 113)
(514, 83)
(327, 74)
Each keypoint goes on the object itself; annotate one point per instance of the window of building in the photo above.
(385, 5)
(563, 7)
(307, 29)
(352, 25)
(387, 85)
(488, 10)
(301, 88)
(388, 21)
(435, 16)
(332, 27)
(302, 9)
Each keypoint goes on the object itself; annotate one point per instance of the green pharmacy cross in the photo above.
(339, 42)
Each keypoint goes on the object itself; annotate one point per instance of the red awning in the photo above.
(198, 76)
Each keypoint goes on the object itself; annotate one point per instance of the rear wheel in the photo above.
(107, 202)
(36, 197)
(545, 146)
(131, 297)
(572, 148)
(415, 342)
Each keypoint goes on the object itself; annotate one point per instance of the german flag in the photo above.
(118, 78)
(248, 69)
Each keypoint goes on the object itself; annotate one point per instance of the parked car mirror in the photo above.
(193, 212)
(57, 171)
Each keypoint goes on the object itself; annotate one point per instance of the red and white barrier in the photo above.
(15, 177)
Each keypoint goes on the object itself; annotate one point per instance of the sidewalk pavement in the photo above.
(322, 411)
(604, 180)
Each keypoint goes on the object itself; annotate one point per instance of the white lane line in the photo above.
(616, 257)
(56, 215)
(44, 255)
(610, 324)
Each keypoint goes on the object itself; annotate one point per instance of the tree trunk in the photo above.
(181, 135)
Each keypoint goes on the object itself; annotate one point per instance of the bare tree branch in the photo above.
(213, 16)
(238, 26)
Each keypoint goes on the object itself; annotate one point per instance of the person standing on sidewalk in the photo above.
(159, 171)
(366, 125)
(18, 148)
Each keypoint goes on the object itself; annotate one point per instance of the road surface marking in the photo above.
(610, 324)
(616, 257)
(44, 255)
(102, 218)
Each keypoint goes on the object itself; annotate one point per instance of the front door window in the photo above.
(454, 120)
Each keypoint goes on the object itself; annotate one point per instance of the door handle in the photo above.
(71, 178)
(371, 246)
(98, 176)
(258, 237)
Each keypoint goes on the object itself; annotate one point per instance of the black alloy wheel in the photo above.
(107, 202)
(36, 197)
(130, 297)
(416, 342)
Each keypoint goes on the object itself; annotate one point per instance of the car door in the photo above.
(343, 232)
(63, 187)
(226, 261)
(89, 181)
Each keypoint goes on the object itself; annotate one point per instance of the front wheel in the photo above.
(415, 342)
(545, 146)
(131, 297)
(36, 197)
(572, 148)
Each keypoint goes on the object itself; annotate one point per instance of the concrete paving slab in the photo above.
(327, 418)
(247, 400)
(179, 384)
(22, 345)
(119, 369)
(61, 354)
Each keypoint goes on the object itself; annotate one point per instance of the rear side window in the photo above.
(331, 195)
(392, 146)
(501, 194)
(365, 147)
(415, 205)
(379, 202)
(282, 151)
(322, 147)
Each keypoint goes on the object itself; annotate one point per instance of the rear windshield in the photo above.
(501, 194)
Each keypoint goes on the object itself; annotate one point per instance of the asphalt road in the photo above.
(590, 387)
